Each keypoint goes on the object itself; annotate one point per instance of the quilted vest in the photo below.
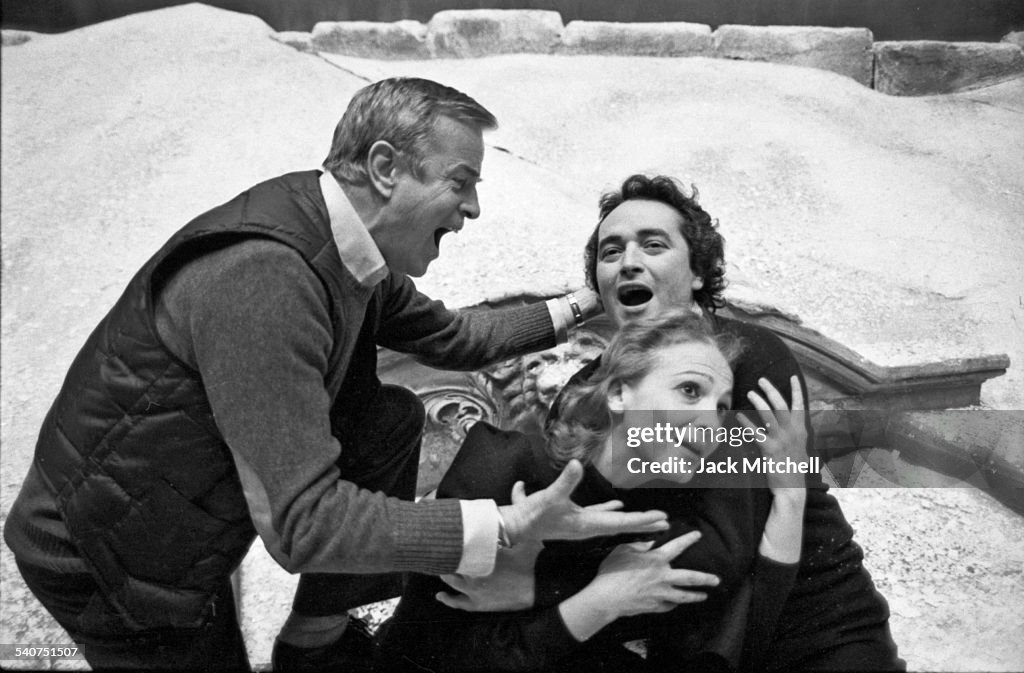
(145, 483)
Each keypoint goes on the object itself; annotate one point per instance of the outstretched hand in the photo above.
(550, 514)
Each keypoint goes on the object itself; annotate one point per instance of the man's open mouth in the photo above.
(634, 295)
(441, 231)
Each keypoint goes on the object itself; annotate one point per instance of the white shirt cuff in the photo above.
(561, 318)
(479, 537)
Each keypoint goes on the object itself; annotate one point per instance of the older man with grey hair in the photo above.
(232, 391)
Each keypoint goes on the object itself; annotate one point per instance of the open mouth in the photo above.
(437, 236)
(634, 295)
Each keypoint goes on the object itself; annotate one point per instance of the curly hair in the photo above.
(707, 246)
(402, 111)
(584, 419)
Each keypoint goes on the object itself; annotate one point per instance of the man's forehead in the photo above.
(639, 216)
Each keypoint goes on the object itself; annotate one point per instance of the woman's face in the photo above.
(688, 384)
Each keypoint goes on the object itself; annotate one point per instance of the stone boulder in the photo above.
(368, 39)
(295, 39)
(1016, 37)
(483, 32)
(846, 51)
(925, 67)
(636, 39)
(12, 38)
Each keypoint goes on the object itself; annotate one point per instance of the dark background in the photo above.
(951, 20)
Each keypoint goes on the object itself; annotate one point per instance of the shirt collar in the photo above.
(359, 253)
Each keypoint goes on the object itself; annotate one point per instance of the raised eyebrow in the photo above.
(614, 238)
(646, 233)
(695, 373)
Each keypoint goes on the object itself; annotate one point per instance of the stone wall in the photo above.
(898, 68)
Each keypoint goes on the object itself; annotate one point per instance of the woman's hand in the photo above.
(785, 431)
(634, 579)
(786, 437)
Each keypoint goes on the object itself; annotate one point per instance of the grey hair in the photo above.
(401, 111)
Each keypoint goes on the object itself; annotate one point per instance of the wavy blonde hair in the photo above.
(583, 420)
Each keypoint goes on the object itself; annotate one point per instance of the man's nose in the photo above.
(470, 208)
(631, 260)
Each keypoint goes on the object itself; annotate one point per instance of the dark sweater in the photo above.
(488, 464)
(833, 616)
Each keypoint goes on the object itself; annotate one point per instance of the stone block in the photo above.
(636, 39)
(12, 38)
(925, 67)
(846, 51)
(483, 32)
(296, 39)
(369, 39)
(1016, 37)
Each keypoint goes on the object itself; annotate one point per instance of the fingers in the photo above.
(518, 492)
(637, 546)
(692, 578)
(594, 523)
(609, 506)
(773, 394)
(457, 602)
(567, 480)
(680, 596)
(764, 410)
(797, 393)
(457, 582)
(678, 545)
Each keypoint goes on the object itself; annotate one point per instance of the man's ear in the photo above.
(382, 167)
(617, 398)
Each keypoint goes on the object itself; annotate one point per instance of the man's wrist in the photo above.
(510, 526)
(504, 539)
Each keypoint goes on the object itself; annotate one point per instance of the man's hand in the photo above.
(509, 588)
(550, 514)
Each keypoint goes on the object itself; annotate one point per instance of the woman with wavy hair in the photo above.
(658, 589)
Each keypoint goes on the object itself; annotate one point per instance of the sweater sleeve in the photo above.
(461, 340)
(253, 319)
(772, 582)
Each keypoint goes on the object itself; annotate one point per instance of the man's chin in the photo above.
(624, 315)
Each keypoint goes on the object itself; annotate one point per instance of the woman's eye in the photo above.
(691, 390)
